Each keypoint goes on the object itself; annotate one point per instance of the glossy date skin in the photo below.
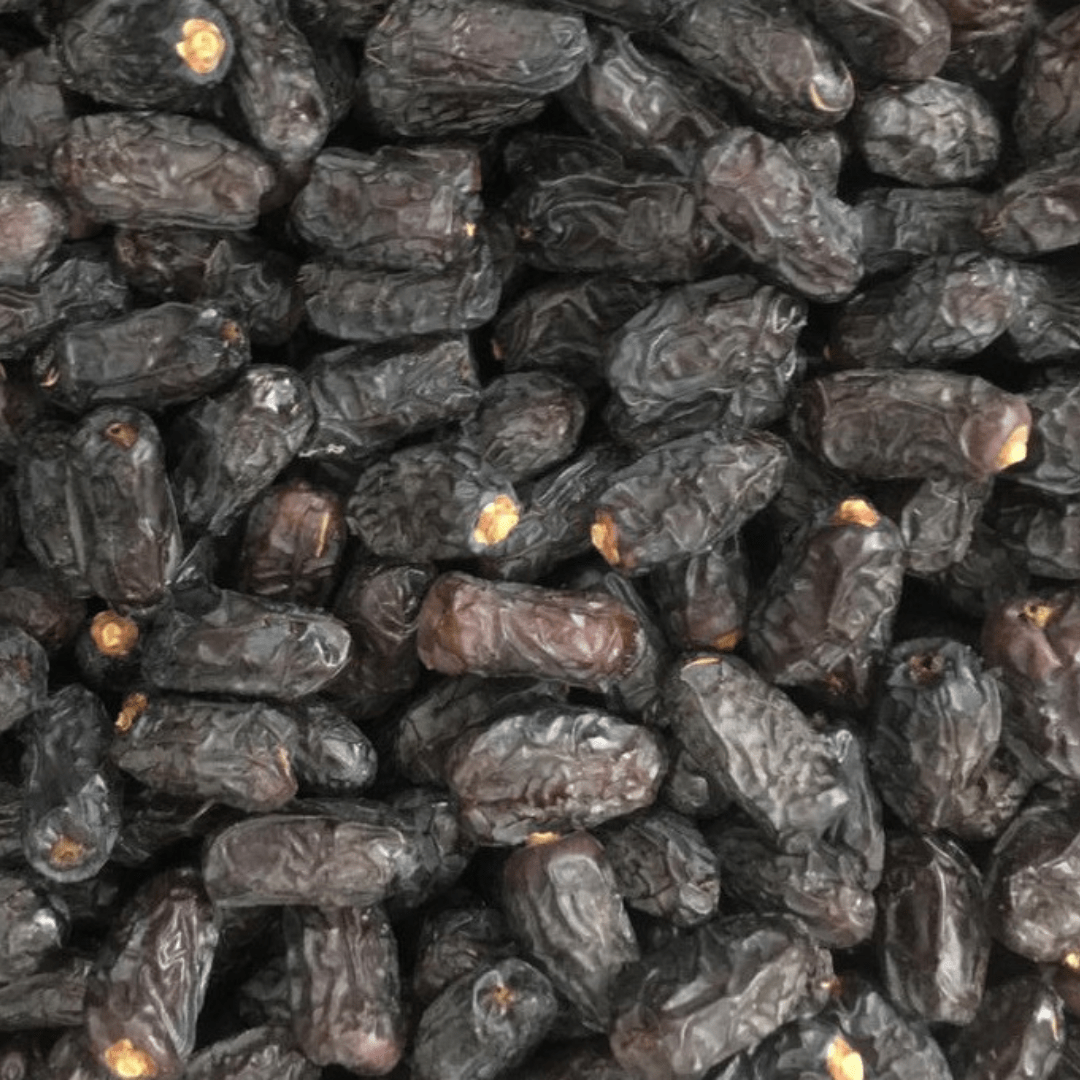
(1019, 1031)
(432, 501)
(276, 82)
(71, 795)
(552, 770)
(562, 902)
(801, 786)
(259, 1053)
(564, 324)
(825, 617)
(937, 725)
(485, 1023)
(932, 930)
(443, 67)
(31, 928)
(1037, 212)
(351, 855)
(237, 272)
(293, 543)
(640, 226)
(146, 170)
(24, 673)
(140, 1016)
(751, 974)
(125, 53)
(896, 40)
(555, 520)
(219, 641)
(1032, 875)
(374, 306)
(1047, 116)
(783, 221)
(824, 886)
(717, 484)
(727, 41)
(365, 400)
(659, 111)
(344, 988)
(239, 755)
(150, 359)
(664, 867)
(687, 361)
(380, 604)
(401, 208)
(891, 424)
(233, 445)
(933, 133)
(948, 308)
(1035, 643)
(495, 629)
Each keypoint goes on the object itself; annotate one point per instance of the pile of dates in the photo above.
(540, 540)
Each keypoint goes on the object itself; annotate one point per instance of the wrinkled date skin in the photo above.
(750, 975)
(71, 794)
(146, 170)
(891, 424)
(684, 360)
(317, 860)
(759, 198)
(638, 226)
(562, 901)
(800, 785)
(223, 642)
(1035, 642)
(716, 484)
(740, 45)
(826, 616)
(932, 929)
(364, 402)
(446, 67)
(555, 769)
(402, 208)
(484, 1023)
(937, 725)
(150, 359)
(239, 755)
(345, 989)
(505, 628)
(141, 1011)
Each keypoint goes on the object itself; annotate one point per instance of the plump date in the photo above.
(599, 768)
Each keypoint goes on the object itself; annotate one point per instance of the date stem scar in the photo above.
(496, 522)
(202, 45)
(125, 1060)
(1014, 449)
(605, 537)
(844, 1062)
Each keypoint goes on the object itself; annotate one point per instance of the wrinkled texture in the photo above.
(345, 988)
(714, 992)
(932, 930)
(484, 1024)
(891, 424)
(552, 770)
(223, 642)
(239, 755)
(441, 67)
(770, 56)
(759, 198)
(71, 794)
(146, 170)
(562, 901)
(151, 978)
